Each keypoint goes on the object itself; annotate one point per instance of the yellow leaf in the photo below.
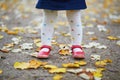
(4, 6)
(50, 67)
(34, 64)
(94, 38)
(100, 69)
(112, 38)
(97, 74)
(71, 65)
(107, 3)
(21, 65)
(12, 32)
(107, 61)
(1, 71)
(64, 52)
(1, 36)
(10, 45)
(100, 64)
(37, 40)
(57, 70)
(4, 29)
(18, 29)
(81, 63)
(57, 77)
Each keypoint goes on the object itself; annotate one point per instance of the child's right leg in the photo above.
(47, 30)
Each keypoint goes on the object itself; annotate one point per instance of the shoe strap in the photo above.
(76, 46)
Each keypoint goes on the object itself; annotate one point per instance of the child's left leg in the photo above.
(74, 19)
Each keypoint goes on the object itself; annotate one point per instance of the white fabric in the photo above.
(74, 19)
(48, 26)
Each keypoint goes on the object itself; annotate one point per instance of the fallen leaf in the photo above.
(87, 75)
(4, 29)
(94, 38)
(112, 38)
(102, 63)
(26, 46)
(4, 50)
(9, 45)
(12, 32)
(95, 57)
(116, 21)
(21, 65)
(57, 70)
(1, 36)
(34, 64)
(1, 71)
(94, 45)
(50, 67)
(64, 50)
(57, 77)
(71, 65)
(81, 63)
(90, 33)
(118, 43)
(16, 50)
(102, 28)
(16, 40)
(97, 74)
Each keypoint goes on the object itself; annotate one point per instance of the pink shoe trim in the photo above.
(78, 54)
(43, 54)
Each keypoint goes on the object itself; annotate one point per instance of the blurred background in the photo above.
(15, 10)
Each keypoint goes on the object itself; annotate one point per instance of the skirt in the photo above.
(61, 4)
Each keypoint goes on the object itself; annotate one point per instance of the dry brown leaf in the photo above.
(86, 75)
(116, 21)
(4, 50)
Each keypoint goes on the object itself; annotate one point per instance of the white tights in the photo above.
(74, 19)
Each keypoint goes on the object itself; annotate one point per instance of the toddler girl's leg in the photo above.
(47, 33)
(48, 26)
(74, 19)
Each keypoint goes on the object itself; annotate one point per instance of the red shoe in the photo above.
(43, 54)
(78, 54)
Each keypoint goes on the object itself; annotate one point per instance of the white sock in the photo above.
(74, 19)
(48, 26)
(45, 49)
(77, 50)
